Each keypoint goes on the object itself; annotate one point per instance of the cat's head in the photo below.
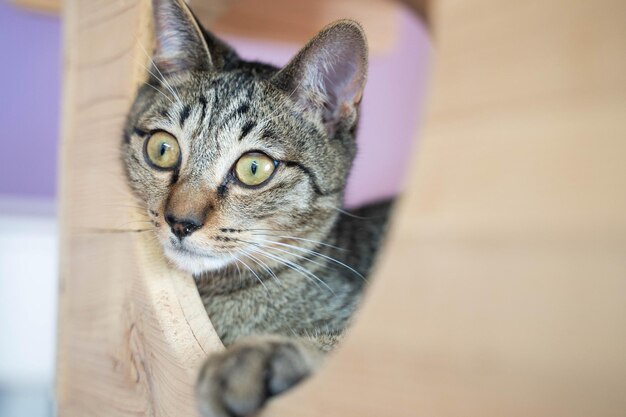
(228, 154)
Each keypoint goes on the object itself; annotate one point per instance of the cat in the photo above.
(242, 167)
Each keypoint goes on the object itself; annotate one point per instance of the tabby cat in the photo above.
(242, 167)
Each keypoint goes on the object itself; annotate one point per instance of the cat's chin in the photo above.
(194, 263)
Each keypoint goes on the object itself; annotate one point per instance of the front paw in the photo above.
(238, 382)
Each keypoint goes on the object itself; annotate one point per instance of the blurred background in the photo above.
(30, 97)
(30, 79)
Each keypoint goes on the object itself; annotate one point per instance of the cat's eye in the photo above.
(254, 168)
(162, 150)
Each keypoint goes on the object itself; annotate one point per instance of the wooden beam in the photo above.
(132, 331)
(501, 289)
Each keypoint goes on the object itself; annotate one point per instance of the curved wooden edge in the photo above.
(176, 305)
(501, 289)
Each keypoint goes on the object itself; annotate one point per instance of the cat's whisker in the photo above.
(302, 239)
(253, 273)
(144, 209)
(354, 216)
(293, 266)
(99, 230)
(134, 222)
(263, 265)
(294, 255)
(259, 262)
(236, 264)
(312, 252)
(162, 79)
(281, 261)
(154, 238)
(160, 91)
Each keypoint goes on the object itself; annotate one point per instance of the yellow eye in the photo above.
(254, 168)
(162, 150)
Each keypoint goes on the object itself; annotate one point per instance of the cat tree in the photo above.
(501, 289)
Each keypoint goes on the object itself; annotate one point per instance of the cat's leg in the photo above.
(238, 381)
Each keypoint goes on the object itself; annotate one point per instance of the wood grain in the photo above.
(501, 289)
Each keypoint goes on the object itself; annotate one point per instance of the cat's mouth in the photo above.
(188, 250)
(194, 260)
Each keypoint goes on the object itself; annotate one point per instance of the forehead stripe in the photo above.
(139, 132)
(312, 179)
(239, 111)
(184, 114)
(203, 104)
(247, 127)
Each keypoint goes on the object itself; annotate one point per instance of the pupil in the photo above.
(164, 148)
(254, 167)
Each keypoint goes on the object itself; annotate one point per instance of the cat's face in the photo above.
(228, 155)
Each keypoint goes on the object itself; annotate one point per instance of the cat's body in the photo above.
(242, 167)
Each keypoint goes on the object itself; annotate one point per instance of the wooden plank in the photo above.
(501, 290)
(132, 332)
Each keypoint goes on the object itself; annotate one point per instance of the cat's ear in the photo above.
(181, 44)
(329, 73)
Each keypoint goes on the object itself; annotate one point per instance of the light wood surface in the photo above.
(501, 289)
(132, 331)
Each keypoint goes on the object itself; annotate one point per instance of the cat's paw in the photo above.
(238, 381)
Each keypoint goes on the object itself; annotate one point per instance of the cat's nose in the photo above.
(182, 227)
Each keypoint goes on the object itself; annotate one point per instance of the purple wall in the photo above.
(30, 104)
